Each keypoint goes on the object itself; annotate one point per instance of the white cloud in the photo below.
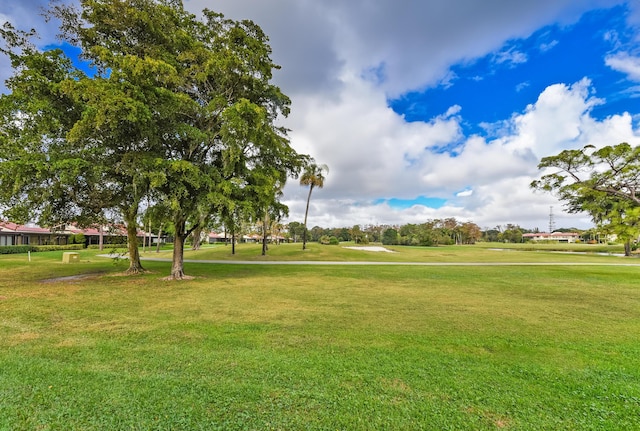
(557, 120)
(370, 149)
(416, 41)
(625, 63)
(511, 57)
(494, 175)
(548, 46)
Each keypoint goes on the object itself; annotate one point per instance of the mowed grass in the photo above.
(481, 252)
(321, 347)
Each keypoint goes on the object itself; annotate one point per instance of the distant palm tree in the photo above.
(313, 176)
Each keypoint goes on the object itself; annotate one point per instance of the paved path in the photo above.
(319, 262)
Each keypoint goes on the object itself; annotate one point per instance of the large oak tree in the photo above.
(178, 105)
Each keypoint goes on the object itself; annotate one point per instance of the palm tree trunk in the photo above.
(306, 213)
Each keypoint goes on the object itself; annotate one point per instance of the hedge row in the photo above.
(16, 249)
(57, 247)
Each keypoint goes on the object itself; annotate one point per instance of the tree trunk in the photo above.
(177, 264)
(135, 267)
(627, 248)
(159, 236)
(196, 239)
(233, 242)
(306, 213)
(101, 238)
(131, 213)
(264, 235)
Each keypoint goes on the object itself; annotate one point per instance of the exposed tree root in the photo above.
(177, 277)
(135, 271)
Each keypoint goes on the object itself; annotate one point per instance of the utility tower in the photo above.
(552, 221)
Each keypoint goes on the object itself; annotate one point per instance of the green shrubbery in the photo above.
(329, 240)
(17, 249)
(14, 249)
(76, 239)
(57, 247)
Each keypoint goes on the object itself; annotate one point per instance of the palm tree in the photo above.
(313, 176)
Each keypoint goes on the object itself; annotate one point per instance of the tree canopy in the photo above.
(179, 109)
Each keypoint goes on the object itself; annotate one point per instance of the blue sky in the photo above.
(440, 108)
(491, 88)
(73, 52)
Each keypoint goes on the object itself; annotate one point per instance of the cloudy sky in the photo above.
(440, 108)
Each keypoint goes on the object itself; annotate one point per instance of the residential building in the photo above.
(569, 237)
(31, 234)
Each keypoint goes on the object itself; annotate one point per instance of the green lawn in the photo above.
(481, 252)
(321, 347)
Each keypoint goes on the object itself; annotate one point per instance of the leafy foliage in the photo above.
(603, 183)
(178, 109)
(433, 233)
(15, 249)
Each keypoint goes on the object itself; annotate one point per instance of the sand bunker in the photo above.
(371, 248)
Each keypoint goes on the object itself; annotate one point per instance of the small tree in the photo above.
(296, 230)
(390, 237)
(357, 235)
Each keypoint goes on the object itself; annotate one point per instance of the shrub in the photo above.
(327, 240)
(14, 249)
(77, 239)
(56, 247)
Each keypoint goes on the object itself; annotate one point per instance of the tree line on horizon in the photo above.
(431, 233)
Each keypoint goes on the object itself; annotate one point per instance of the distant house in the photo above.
(215, 237)
(31, 234)
(568, 237)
